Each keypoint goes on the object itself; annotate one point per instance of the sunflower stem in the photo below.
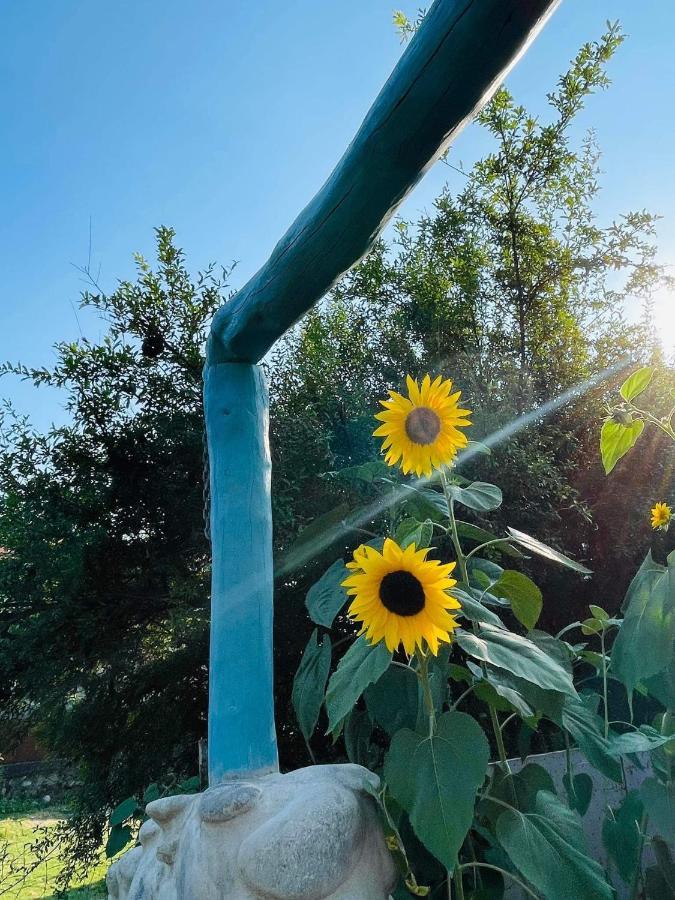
(423, 675)
(604, 680)
(461, 561)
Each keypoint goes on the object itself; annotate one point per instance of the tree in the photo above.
(104, 588)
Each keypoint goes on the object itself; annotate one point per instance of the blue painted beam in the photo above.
(242, 737)
(459, 55)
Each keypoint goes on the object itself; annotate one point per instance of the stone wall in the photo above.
(53, 779)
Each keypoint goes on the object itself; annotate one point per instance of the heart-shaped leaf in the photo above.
(617, 439)
(435, 779)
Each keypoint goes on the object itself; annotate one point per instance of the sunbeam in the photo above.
(295, 559)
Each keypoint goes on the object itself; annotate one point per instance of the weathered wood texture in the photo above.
(242, 736)
(461, 52)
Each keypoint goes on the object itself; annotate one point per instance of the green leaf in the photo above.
(326, 597)
(621, 835)
(591, 626)
(479, 496)
(152, 792)
(474, 610)
(598, 613)
(518, 791)
(367, 473)
(358, 729)
(410, 531)
(644, 739)
(661, 885)
(587, 729)
(616, 440)
(425, 503)
(119, 837)
(518, 655)
(309, 683)
(435, 779)
(535, 546)
(644, 645)
(495, 693)
(361, 665)
(579, 791)
(481, 536)
(659, 803)
(394, 700)
(524, 595)
(547, 847)
(636, 383)
(479, 567)
(125, 810)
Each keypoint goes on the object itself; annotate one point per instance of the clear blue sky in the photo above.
(223, 118)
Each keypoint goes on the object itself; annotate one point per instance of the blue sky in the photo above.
(222, 118)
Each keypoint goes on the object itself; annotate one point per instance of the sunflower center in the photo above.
(422, 425)
(401, 593)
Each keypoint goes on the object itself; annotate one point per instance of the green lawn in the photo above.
(16, 835)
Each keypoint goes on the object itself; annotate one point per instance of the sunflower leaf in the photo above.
(474, 610)
(474, 533)
(362, 664)
(535, 546)
(410, 531)
(644, 644)
(636, 383)
(518, 655)
(326, 597)
(309, 683)
(547, 847)
(479, 496)
(435, 779)
(523, 594)
(616, 440)
(621, 835)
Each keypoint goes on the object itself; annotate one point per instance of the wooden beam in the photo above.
(458, 57)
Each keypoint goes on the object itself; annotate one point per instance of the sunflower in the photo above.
(422, 429)
(400, 596)
(661, 515)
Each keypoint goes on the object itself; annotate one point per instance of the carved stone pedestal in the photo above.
(312, 834)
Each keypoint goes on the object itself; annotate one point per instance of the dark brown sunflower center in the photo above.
(402, 594)
(422, 425)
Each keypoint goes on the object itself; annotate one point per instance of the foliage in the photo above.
(400, 716)
(104, 578)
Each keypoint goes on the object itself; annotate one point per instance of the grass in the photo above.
(18, 824)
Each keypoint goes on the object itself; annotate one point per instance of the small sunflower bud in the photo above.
(621, 417)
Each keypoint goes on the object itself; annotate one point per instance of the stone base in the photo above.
(312, 834)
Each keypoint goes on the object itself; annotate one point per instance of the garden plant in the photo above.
(446, 617)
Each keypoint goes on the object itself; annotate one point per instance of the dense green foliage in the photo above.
(508, 285)
(604, 685)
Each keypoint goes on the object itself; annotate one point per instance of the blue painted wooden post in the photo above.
(242, 738)
(459, 55)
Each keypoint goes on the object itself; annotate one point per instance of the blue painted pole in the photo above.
(242, 737)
